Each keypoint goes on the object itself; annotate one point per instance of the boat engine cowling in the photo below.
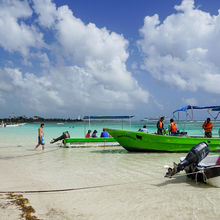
(62, 137)
(194, 156)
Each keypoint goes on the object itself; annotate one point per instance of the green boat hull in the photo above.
(143, 142)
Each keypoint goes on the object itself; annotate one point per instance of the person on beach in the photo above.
(104, 133)
(40, 137)
(88, 134)
(94, 134)
(172, 128)
(207, 126)
(160, 128)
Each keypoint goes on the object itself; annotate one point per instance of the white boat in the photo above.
(199, 166)
(14, 125)
(209, 169)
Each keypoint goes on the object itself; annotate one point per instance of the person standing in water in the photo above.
(40, 137)
(207, 126)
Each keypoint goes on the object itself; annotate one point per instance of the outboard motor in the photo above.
(195, 155)
(62, 137)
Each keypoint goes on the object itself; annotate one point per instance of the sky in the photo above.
(65, 58)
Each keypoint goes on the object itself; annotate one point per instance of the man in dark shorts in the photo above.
(160, 128)
(40, 137)
(207, 126)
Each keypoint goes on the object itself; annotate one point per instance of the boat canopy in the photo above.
(108, 117)
(192, 107)
(185, 108)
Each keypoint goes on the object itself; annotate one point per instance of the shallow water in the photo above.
(123, 185)
(27, 135)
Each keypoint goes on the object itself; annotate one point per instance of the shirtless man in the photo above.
(40, 137)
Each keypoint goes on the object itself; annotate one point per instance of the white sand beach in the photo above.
(101, 183)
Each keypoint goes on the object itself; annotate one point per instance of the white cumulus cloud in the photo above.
(16, 35)
(46, 11)
(190, 101)
(83, 67)
(183, 50)
(66, 89)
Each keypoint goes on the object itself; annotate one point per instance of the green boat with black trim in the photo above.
(145, 142)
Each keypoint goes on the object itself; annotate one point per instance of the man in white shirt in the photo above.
(144, 129)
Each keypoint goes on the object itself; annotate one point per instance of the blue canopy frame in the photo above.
(192, 107)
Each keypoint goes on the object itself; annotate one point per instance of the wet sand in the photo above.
(101, 183)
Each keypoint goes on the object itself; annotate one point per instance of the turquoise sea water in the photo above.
(27, 134)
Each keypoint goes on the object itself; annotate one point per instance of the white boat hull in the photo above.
(91, 144)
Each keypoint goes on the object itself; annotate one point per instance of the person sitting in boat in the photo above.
(94, 134)
(207, 126)
(173, 128)
(88, 134)
(104, 133)
(144, 129)
(160, 128)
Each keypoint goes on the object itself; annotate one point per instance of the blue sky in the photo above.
(78, 57)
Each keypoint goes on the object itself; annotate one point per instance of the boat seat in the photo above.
(210, 160)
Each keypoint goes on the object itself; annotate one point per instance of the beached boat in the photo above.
(199, 166)
(207, 171)
(84, 142)
(142, 142)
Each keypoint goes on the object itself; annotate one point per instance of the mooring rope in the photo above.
(70, 189)
(61, 190)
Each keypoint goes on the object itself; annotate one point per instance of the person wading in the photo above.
(40, 137)
(207, 126)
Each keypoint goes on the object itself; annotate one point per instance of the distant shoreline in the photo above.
(39, 120)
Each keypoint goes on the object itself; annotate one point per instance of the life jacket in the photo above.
(160, 124)
(173, 127)
(207, 127)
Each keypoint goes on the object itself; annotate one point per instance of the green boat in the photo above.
(144, 142)
(89, 142)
